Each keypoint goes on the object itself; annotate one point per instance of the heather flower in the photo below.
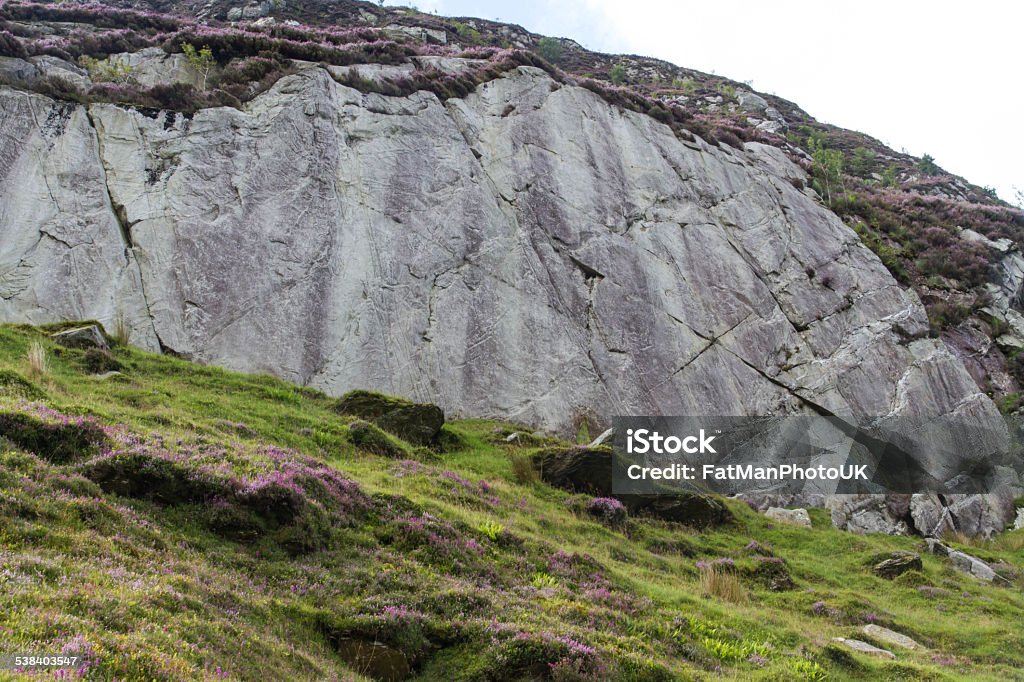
(607, 510)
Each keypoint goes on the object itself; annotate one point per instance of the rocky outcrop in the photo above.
(528, 252)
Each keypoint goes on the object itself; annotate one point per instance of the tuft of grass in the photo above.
(37, 364)
(722, 584)
(522, 468)
(122, 332)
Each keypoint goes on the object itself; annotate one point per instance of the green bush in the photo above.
(618, 74)
(550, 49)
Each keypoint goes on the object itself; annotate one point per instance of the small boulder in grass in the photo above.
(607, 510)
(82, 338)
(897, 564)
(418, 423)
(795, 517)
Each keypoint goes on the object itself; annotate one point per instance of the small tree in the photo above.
(928, 166)
(200, 60)
(618, 74)
(550, 49)
(863, 162)
(827, 167)
(890, 177)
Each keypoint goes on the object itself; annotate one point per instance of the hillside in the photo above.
(177, 521)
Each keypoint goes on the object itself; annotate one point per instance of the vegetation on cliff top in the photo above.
(179, 521)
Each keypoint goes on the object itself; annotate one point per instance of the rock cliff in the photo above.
(527, 251)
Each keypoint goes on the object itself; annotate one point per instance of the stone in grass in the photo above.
(891, 637)
(863, 647)
(418, 423)
(796, 517)
(898, 564)
(964, 562)
(82, 338)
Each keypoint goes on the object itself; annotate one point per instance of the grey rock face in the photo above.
(63, 254)
(870, 513)
(153, 66)
(545, 261)
(1018, 523)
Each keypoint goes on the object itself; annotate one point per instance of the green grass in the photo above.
(234, 555)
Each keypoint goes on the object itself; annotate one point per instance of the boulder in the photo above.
(577, 469)
(750, 101)
(1019, 522)
(690, 509)
(863, 647)
(82, 338)
(891, 637)
(796, 517)
(418, 423)
(965, 563)
(898, 564)
(981, 515)
(589, 470)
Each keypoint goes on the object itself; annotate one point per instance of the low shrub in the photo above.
(607, 510)
(56, 438)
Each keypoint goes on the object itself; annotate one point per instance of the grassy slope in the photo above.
(493, 580)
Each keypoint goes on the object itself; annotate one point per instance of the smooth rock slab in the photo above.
(863, 647)
(964, 562)
(892, 637)
(82, 337)
(796, 517)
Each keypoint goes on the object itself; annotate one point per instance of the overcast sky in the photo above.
(938, 77)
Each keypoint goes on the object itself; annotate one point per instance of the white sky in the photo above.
(938, 77)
